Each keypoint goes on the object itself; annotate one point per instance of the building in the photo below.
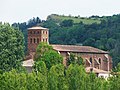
(35, 36)
(93, 57)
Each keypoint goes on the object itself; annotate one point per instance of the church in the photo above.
(93, 57)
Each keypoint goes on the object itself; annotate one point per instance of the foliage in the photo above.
(76, 19)
(40, 66)
(11, 48)
(75, 60)
(46, 53)
(76, 77)
(57, 78)
(42, 48)
(66, 23)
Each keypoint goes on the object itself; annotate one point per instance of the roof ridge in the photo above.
(77, 48)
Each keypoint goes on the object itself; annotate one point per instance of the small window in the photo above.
(34, 40)
(43, 32)
(90, 60)
(99, 60)
(38, 32)
(46, 32)
(46, 39)
(43, 40)
(30, 32)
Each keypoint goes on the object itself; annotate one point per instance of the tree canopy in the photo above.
(11, 47)
(46, 53)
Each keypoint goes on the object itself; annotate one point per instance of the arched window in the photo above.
(43, 39)
(30, 40)
(37, 40)
(34, 40)
(38, 32)
(90, 60)
(46, 39)
(99, 60)
(34, 32)
(46, 32)
(43, 32)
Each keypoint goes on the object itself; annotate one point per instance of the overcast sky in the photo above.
(23, 10)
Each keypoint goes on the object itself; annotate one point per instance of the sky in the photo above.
(22, 10)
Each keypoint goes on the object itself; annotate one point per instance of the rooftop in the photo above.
(37, 27)
(95, 70)
(80, 49)
(28, 63)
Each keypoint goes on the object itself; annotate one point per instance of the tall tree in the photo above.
(46, 54)
(11, 48)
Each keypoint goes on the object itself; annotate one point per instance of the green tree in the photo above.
(40, 66)
(76, 77)
(67, 23)
(56, 78)
(75, 60)
(11, 48)
(46, 54)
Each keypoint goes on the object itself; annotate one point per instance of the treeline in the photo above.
(105, 36)
(57, 78)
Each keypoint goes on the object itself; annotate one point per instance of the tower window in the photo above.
(34, 40)
(43, 39)
(38, 32)
(37, 40)
(46, 32)
(30, 32)
(46, 39)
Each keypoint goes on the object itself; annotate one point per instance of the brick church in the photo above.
(93, 57)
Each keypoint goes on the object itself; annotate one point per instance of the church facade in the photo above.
(92, 57)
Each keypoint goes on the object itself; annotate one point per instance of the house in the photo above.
(92, 57)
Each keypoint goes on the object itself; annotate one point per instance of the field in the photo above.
(85, 20)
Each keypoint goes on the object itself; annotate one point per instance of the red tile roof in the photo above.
(75, 48)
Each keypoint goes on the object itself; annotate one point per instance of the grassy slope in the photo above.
(76, 20)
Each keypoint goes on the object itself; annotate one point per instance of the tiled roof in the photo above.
(37, 27)
(75, 48)
(95, 70)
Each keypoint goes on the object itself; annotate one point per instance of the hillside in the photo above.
(76, 19)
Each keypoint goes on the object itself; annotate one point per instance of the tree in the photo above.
(75, 60)
(56, 78)
(46, 54)
(11, 48)
(67, 23)
(40, 66)
(76, 77)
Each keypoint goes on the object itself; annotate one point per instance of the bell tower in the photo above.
(35, 36)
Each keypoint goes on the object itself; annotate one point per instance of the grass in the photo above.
(76, 20)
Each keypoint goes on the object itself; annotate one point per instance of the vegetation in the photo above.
(11, 48)
(46, 53)
(57, 78)
(76, 19)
